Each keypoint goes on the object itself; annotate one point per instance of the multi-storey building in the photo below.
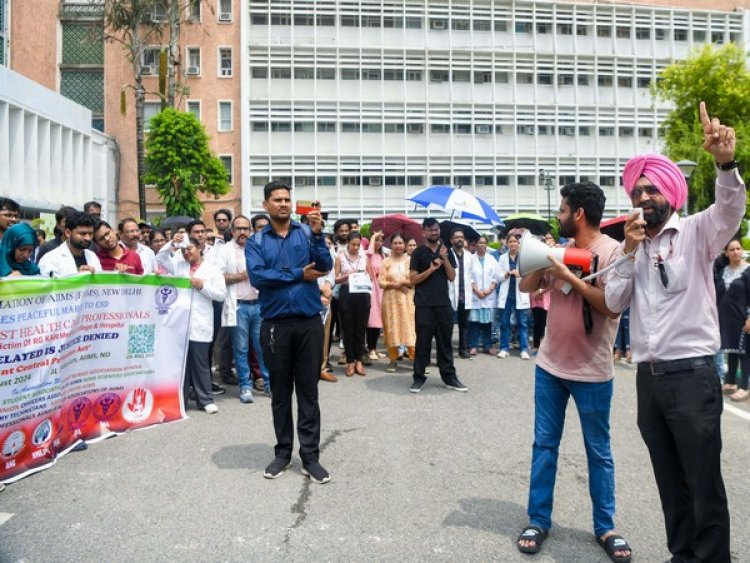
(59, 44)
(359, 104)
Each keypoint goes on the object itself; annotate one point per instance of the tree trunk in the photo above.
(175, 15)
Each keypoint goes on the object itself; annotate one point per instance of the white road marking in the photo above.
(5, 516)
(739, 412)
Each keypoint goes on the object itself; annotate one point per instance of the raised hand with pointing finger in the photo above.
(718, 139)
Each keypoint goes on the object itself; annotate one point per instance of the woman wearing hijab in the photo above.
(16, 250)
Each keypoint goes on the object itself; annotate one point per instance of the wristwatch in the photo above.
(731, 165)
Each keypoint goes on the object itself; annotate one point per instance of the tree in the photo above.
(719, 76)
(180, 163)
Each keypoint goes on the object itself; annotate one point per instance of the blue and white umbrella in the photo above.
(458, 202)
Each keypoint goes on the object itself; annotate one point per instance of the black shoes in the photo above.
(416, 387)
(230, 379)
(455, 385)
(276, 468)
(217, 389)
(316, 473)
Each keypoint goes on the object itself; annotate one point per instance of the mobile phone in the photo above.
(636, 211)
(305, 207)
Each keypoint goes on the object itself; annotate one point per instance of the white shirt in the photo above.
(226, 261)
(453, 286)
(679, 321)
(60, 262)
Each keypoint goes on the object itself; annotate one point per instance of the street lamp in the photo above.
(546, 180)
(686, 167)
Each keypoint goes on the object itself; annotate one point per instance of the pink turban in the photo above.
(661, 172)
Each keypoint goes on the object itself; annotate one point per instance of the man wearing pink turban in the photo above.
(674, 335)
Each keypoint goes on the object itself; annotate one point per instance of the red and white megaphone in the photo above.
(533, 255)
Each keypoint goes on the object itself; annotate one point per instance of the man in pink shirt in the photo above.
(674, 331)
(575, 359)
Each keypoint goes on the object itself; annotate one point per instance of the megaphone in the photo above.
(533, 253)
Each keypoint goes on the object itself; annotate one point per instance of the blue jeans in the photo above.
(248, 326)
(522, 318)
(593, 401)
(479, 331)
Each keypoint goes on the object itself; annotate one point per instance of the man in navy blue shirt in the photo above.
(284, 261)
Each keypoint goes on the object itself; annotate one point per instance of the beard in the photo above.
(80, 244)
(658, 215)
(568, 228)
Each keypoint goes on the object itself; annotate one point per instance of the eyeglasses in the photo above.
(240, 229)
(638, 192)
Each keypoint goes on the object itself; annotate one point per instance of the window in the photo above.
(525, 129)
(259, 126)
(325, 20)
(150, 109)
(526, 180)
(546, 130)
(194, 107)
(372, 128)
(349, 21)
(603, 31)
(371, 74)
(622, 32)
(461, 76)
(482, 77)
(523, 27)
(349, 74)
(584, 131)
(524, 78)
(565, 29)
(259, 72)
(462, 128)
(565, 80)
(660, 34)
(502, 181)
(646, 132)
(393, 74)
(225, 116)
(281, 126)
(626, 131)
(414, 180)
(565, 180)
(717, 37)
(225, 61)
(606, 131)
(225, 11)
(584, 79)
(326, 126)
(350, 127)
(482, 25)
(304, 127)
(259, 19)
(304, 20)
(193, 61)
(413, 23)
(158, 13)
(501, 77)
(606, 180)
(226, 160)
(461, 25)
(414, 76)
(438, 76)
(501, 25)
(582, 30)
(483, 128)
(642, 33)
(281, 19)
(194, 10)
(150, 60)
(604, 81)
(625, 81)
(643, 82)
(325, 73)
(350, 181)
(326, 180)
(699, 36)
(394, 127)
(680, 35)
(281, 72)
(462, 180)
(371, 21)
(304, 73)
(566, 130)
(440, 128)
(395, 180)
(393, 22)
(543, 28)
(415, 128)
(438, 24)
(544, 79)
(441, 180)
(499, 129)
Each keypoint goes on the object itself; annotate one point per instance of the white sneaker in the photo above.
(525, 355)
(503, 354)
(211, 408)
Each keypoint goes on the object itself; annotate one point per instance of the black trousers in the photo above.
(679, 416)
(539, 314)
(197, 374)
(293, 350)
(434, 322)
(354, 312)
(462, 317)
(744, 362)
(373, 334)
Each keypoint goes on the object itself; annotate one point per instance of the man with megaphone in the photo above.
(675, 334)
(575, 359)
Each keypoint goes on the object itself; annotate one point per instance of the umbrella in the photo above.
(397, 223)
(537, 224)
(459, 203)
(447, 227)
(614, 227)
(175, 222)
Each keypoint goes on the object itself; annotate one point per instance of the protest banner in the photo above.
(84, 357)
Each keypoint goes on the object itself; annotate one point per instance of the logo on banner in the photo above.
(107, 405)
(42, 433)
(138, 405)
(14, 443)
(79, 411)
(165, 297)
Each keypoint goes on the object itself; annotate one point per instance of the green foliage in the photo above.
(365, 230)
(718, 76)
(180, 163)
(746, 243)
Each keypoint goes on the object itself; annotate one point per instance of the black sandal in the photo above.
(614, 543)
(531, 533)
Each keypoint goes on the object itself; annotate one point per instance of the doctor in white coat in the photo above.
(73, 255)
(484, 280)
(208, 286)
(512, 300)
(459, 289)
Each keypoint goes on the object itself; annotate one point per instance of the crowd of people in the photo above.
(272, 296)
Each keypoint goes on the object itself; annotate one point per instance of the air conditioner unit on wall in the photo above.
(193, 70)
(147, 69)
(225, 17)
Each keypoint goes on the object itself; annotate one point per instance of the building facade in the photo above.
(359, 104)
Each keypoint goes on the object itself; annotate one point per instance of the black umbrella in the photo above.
(537, 224)
(175, 222)
(447, 227)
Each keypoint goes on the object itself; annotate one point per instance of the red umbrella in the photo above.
(397, 223)
(614, 227)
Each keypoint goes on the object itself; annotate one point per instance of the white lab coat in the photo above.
(214, 289)
(453, 285)
(226, 260)
(522, 298)
(483, 276)
(59, 262)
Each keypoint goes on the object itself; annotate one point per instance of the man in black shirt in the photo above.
(431, 268)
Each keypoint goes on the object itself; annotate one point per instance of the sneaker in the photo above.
(341, 344)
(217, 389)
(382, 356)
(342, 360)
(374, 355)
(427, 371)
(416, 387)
(276, 468)
(391, 367)
(258, 384)
(230, 379)
(464, 354)
(503, 354)
(211, 408)
(316, 473)
(525, 355)
(456, 385)
(246, 395)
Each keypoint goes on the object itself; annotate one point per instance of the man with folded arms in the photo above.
(674, 335)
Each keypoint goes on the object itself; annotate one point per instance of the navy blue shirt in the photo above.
(275, 266)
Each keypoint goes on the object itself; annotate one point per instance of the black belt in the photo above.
(247, 302)
(672, 366)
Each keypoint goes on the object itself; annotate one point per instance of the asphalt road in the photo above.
(439, 476)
